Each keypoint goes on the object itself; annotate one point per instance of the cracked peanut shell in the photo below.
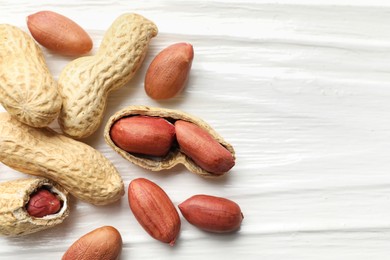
(15, 194)
(175, 156)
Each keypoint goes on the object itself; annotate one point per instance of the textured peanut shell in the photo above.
(14, 195)
(79, 168)
(27, 89)
(174, 157)
(85, 83)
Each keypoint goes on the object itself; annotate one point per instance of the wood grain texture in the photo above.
(299, 88)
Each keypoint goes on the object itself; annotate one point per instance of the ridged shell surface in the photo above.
(79, 168)
(14, 195)
(85, 83)
(27, 89)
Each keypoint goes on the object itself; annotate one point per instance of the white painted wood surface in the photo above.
(300, 88)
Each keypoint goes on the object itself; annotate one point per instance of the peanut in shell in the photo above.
(15, 194)
(175, 156)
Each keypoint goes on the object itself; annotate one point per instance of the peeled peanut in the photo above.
(169, 70)
(104, 243)
(217, 149)
(85, 83)
(213, 214)
(77, 167)
(154, 210)
(43, 203)
(59, 33)
(144, 135)
(27, 89)
(17, 219)
(202, 148)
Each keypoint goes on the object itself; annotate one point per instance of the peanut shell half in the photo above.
(14, 195)
(175, 156)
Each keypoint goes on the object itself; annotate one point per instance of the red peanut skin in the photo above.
(144, 135)
(168, 72)
(213, 214)
(104, 243)
(43, 203)
(59, 33)
(154, 210)
(202, 148)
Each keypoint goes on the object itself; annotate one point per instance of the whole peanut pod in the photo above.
(213, 214)
(59, 33)
(27, 89)
(104, 243)
(221, 154)
(15, 218)
(154, 210)
(144, 135)
(85, 83)
(77, 167)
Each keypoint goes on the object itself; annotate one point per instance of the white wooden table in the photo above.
(300, 88)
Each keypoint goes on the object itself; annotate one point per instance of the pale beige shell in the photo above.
(85, 83)
(174, 157)
(14, 195)
(79, 168)
(27, 89)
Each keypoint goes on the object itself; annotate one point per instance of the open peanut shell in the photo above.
(175, 156)
(14, 196)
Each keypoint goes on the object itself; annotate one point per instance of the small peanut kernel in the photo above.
(43, 203)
